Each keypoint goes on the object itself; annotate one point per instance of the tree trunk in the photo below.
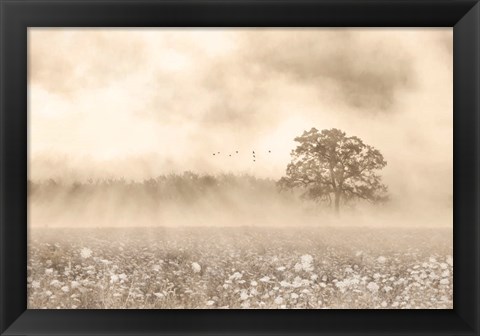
(337, 203)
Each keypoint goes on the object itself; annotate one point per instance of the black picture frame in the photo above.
(17, 15)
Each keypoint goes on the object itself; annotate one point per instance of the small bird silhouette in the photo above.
(237, 152)
(230, 155)
(218, 152)
(253, 152)
(214, 154)
(269, 151)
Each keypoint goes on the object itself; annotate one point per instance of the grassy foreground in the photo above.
(241, 267)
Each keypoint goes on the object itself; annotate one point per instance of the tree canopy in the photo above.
(335, 168)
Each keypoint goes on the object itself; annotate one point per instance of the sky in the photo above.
(137, 103)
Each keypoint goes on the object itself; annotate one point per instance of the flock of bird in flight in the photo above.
(236, 152)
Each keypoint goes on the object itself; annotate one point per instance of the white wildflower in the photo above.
(245, 304)
(381, 259)
(85, 253)
(297, 282)
(387, 289)
(372, 287)
(236, 276)
(244, 296)
(342, 285)
(55, 283)
(444, 282)
(306, 259)
(354, 281)
(196, 267)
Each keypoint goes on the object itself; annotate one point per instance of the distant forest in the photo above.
(185, 187)
(175, 199)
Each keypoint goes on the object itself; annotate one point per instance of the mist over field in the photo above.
(204, 200)
(137, 104)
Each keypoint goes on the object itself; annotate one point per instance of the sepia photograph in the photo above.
(240, 168)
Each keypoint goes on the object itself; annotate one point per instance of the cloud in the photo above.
(70, 60)
(366, 70)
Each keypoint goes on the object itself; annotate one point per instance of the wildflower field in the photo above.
(240, 267)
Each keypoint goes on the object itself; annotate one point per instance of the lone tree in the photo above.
(328, 164)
